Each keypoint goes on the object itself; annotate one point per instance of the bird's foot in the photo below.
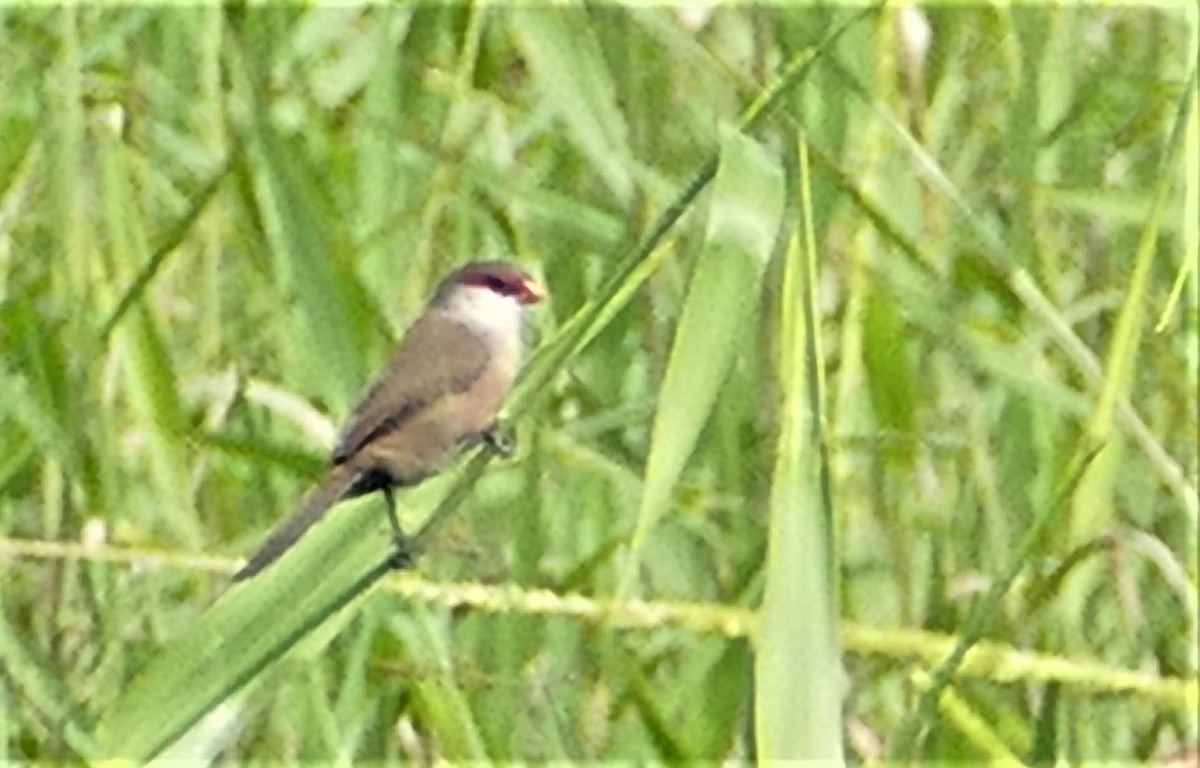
(402, 557)
(500, 440)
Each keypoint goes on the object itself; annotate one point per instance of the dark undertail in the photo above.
(368, 482)
(336, 486)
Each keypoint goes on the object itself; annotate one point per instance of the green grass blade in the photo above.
(252, 626)
(746, 206)
(912, 732)
(330, 356)
(566, 58)
(167, 245)
(302, 231)
(797, 670)
(1123, 349)
(33, 680)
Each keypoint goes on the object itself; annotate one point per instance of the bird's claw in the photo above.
(500, 440)
(402, 556)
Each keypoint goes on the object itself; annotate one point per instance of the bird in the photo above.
(440, 393)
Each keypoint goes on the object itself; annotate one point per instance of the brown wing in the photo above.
(439, 356)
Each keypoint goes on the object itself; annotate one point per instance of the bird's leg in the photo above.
(500, 439)
(402, 557)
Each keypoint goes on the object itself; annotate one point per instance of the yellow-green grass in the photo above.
(861, 425)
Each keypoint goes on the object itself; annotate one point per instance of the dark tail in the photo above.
(319, 501)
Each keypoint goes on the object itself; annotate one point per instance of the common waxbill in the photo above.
(441, 392)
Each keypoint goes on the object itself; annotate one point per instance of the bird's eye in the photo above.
(498, 285)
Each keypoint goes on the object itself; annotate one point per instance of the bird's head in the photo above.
(501, 278)
(491, 293)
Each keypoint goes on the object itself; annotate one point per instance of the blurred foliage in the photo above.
(213, 223)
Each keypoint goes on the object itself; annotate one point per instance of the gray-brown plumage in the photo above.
(440, 392)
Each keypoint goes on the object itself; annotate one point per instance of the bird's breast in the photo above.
(433, 437)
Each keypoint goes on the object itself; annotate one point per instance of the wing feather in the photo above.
(438, 357)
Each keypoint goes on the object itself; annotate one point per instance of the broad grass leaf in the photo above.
(798, 678)
(744, 217)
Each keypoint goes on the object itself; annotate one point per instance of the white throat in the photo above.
(486, 312)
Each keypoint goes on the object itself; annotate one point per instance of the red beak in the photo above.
(531, 292)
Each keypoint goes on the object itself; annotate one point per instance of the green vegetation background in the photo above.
(213, 224)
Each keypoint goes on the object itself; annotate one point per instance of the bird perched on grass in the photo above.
(441, 392)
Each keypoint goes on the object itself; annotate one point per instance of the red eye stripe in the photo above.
(511, 283)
